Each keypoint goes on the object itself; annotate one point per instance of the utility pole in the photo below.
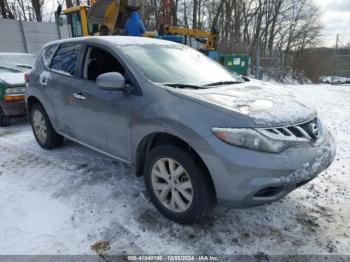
(335, 58)
(257, 71)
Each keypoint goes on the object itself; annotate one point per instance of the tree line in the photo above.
(27, 10)
(280, 31)
(31, 10)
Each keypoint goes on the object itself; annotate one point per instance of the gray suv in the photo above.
(195, 131)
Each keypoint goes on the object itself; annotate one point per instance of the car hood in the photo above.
(264, 103)
(13, 79)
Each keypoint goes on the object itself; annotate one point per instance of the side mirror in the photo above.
(112, 81)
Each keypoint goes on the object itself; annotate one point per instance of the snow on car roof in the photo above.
(132, 40)
(16, 54)
(119, 40)
(12, 78)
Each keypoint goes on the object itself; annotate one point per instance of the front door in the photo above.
(106, 114)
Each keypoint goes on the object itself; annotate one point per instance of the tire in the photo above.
(202, 190)
(41, 123)
(4, 119)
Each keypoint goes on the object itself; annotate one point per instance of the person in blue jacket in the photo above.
(134, 26)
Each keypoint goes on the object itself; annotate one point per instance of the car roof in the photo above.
(117, 40)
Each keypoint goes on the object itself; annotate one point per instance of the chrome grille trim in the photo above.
(303, 132)
(288, 132)
(297, 133)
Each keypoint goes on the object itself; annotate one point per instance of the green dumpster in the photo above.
(236, 63)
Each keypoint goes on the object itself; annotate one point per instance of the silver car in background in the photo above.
(196, 132)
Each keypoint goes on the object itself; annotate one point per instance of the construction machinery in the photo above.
(103, 17)
(207, 39)
(77, 21)
(107, 17)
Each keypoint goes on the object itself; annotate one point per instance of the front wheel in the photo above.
(180, 188)
(43, 131)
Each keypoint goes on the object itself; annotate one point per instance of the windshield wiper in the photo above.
(220, 83)
(183, 85)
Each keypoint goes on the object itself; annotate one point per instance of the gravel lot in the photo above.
(66, 200)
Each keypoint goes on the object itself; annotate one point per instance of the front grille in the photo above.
(310, 131)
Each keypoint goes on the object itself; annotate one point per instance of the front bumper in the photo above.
(244, 178)
(13, 108)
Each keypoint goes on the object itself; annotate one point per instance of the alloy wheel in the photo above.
(172, 185)
(40, 126)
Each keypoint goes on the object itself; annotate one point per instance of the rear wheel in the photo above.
(4, 119)
(179, 188)
(43, 131)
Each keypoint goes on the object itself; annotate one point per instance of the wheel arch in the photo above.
(32, 100)
(152, 140)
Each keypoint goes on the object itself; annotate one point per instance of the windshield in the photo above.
(177, 65)
(7, 70)
(25, 61)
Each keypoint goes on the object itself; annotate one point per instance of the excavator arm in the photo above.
(209, 38)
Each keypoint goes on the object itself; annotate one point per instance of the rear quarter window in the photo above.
(66, 58)
(48, 52)
(39, 64)
(45, 57)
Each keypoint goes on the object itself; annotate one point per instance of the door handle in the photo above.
(79, 96)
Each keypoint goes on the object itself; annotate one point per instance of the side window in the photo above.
(48, 53)
(45, 56)
(39, 64)
(98, 61)
(66, 58)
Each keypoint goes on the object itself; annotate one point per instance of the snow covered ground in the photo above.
(64, 201)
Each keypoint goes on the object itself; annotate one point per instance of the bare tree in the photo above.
(69, 3)
(195, 13)
(37, 4)
(5, 10)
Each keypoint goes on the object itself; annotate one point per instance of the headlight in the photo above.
(250, 138)
(15, 91)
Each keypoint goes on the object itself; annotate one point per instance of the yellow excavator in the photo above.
(107, 17)
(103, 17)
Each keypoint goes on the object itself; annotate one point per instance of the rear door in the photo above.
(66, 85)
(40, 84)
